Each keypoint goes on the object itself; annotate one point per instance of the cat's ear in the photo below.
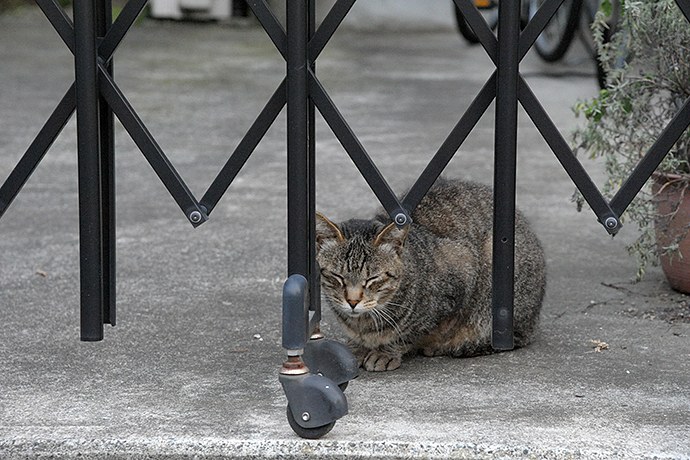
(392, 236)
(327, 231)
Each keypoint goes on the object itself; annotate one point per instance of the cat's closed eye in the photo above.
(372, 281)
(332, 278)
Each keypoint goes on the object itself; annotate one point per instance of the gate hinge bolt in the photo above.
(400, 219)
(195, 217)
(611, 223)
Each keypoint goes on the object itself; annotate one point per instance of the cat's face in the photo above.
(361, 265)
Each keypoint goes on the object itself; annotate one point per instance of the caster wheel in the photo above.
(308, 433)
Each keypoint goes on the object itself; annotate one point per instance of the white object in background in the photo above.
(190, 9)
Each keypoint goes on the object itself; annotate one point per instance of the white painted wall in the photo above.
(389, 14)
(190, 9)
(365, 14)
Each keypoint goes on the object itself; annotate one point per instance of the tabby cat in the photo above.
(426, 287)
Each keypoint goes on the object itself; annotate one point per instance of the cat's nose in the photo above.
(353, 296)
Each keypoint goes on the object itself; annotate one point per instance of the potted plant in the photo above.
(647, 62)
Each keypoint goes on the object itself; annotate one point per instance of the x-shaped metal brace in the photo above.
(197, 211)
(117, 102)
(506, 74)
(323, 103)
(608, 213)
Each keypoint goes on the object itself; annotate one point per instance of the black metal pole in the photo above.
(88, 145)
(314, 286)
(504, 174)
(104, 19)
(297, 138)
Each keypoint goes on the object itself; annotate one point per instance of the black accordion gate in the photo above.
(316, 370)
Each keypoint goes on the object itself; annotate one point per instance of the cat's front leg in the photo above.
(359, 351)
(383, 358)
(377, 361)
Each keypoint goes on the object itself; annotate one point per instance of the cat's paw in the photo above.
(432, 352)
(359, 352)
(377, 361)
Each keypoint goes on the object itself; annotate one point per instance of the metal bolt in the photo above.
(305, 416)
(611, 222)
(400, 219)
(195, 217)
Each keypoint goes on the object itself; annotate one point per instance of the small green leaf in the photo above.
(606, 8)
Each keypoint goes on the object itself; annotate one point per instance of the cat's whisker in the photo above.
(388, 318)
(378, 325)
(401, 313)
(398, 305)
(378, 321)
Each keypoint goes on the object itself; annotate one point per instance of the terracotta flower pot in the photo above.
(672, 225)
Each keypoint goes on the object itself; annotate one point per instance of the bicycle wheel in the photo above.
(589, 10)
(490, 16)
(556, 37)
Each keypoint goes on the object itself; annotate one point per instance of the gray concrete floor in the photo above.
(191, 368)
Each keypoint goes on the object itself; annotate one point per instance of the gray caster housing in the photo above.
(331, 359)
(315, 400)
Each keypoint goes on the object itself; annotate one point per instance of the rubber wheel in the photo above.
(308, 433)
(554, 41)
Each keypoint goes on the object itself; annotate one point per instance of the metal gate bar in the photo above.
(298, 222)
(315, 278)
(452, 143)
(104, 19)
(357, 153)
(89, 168)
(505, 163)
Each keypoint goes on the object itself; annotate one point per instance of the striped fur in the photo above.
(426, 288)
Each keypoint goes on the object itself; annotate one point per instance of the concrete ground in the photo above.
(191, 368)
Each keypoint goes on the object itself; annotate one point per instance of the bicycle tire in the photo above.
(555, 39)
(587, 16)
